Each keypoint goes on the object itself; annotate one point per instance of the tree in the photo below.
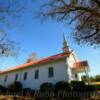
(7, 46)
(84, 14)
(91, 78)
(10, 10)
(97, 78)
(15, 87)
(84, 78)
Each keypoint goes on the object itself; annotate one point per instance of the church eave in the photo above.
(50, 59)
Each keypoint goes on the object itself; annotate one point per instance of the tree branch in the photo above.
(97, 2)
(87, 10)
(80, 8)
(63, 2)
(85, 21)
(3, 37)
(91, 35)
(76, 17)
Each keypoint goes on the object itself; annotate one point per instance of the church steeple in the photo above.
(65, 45)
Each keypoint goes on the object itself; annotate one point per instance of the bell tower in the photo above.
(65, 45)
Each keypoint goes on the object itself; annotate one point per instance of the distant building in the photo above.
(64, 66)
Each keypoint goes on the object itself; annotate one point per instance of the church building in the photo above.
(64, 66)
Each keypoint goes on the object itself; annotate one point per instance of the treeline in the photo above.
(91, 78)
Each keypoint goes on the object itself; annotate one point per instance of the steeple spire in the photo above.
(65, 45)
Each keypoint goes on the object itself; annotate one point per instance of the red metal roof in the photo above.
(44, 60)
(80, 67)
(81, 64)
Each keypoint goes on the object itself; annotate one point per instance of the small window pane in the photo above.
(16, 77)
(25, 76)
(36, 74)
(6, 77)
(50, 72)
(76, 76)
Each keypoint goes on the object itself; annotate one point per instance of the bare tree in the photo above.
(10, 10)
(7, 46)
(85, 14)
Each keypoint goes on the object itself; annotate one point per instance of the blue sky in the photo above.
(46, 39)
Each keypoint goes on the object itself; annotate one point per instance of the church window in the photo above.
(50, 72)
(16, 77)
(6, 77)
(36, 74)
(76, 75)
(25, 76)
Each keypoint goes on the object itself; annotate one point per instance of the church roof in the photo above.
(80, 66)
(41, 61)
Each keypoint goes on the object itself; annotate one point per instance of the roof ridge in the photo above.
(42, 60)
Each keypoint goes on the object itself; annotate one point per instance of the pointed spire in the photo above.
(65, 45)
(64, 39)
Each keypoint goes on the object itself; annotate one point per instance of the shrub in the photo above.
(61, 89)
(3, 89)
(77, 83)
(97, 87)
(80, 87)
(47, 87)
(28, 91)
(90, 88)
(62, 86)
(15, 87)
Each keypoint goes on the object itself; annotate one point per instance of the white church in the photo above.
(64, 66)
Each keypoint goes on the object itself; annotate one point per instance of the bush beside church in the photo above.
(74, 90)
